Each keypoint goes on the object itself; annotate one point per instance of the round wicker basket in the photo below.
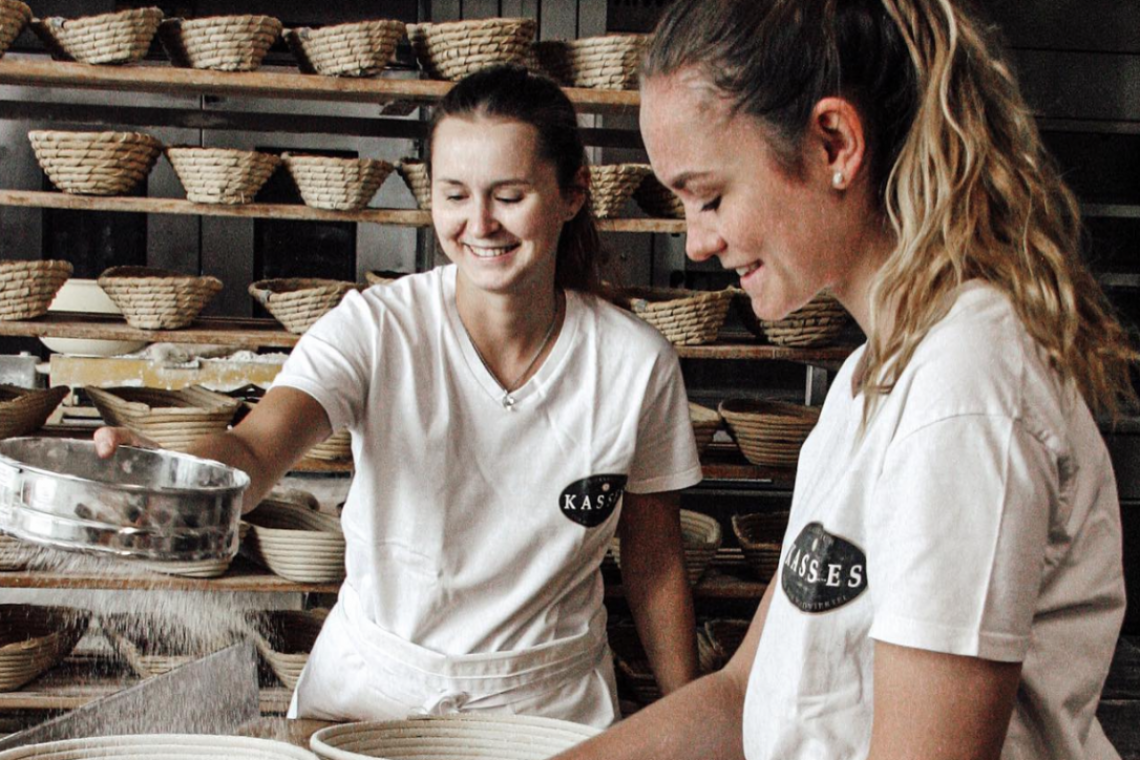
(416, 176)
(382, 277)
(684, 317)
(284, 638)
(769, 433)
(453, 49)
(818, 323)
(222, 43)
(705, 424)
(612, 185)
(296, 542)
(166, 746)
(158, 299)
(173, 419)
(28, 287)
(701, 537)
(120, 37)
(221, 175)
(657, 200)
(23, 410)
(338, 184)
(33, 639)
(14, 16)
(298, 302)
(761, 537)
(358, 49)
(609, 62)
(95, 163)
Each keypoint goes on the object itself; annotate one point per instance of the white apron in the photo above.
(358, 671)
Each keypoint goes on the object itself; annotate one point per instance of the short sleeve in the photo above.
(330, 362)
(958, 530)
(665, 458)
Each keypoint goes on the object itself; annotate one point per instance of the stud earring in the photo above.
(837, 180)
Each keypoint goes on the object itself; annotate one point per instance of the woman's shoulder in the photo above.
(612, 325)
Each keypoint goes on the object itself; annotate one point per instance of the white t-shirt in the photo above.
(471, 527)
(977, 516)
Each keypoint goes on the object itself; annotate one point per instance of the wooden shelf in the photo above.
(269, 82)
(738, 347)
(295, 211)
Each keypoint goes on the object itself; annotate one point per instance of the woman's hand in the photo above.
(108, 439)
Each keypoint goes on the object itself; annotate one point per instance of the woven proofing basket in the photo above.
(609, 62)
(298, 302)
(815, 324)
(14, 16)
(684, 317)
(701, 537)
(358, 49)
(336, 448)
(769, 433)
(296, 543)
(222, 43)
(454, 49)
(28, 287)
(657, 200)
(173, 419)
(284, 638)
(338, 184)
(451, 737)
(705, 424)
(95, 163)
(122, 37)
(612, 185)
(416, 177)
(761, 537)
(165, 746)
(33, 639)
(23, 410)
(221, 175)
(149, 657)
(157, 299)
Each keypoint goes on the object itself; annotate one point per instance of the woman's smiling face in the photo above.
(496, 205)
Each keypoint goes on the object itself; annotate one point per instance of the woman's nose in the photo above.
(702, 241)
(481, 222)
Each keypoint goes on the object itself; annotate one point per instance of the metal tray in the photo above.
(142, 503)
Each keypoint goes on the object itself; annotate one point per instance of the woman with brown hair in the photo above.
(951, 583)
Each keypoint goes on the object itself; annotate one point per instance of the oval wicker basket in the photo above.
(24, 410)
(120, 37)
(298, 302)
(818, 323)
(357, 49)
(34, 638)
(418, 179)
(684, 317)
(165, 746)
(657, 200)
(173, 419)
(296, 542)
(494, 737)
(608, 62)
(14, 16)
(28, 287)
(158, 299)
(453, 49)
(769, 433)
(222, 43)
(284, 638)
(761, 537)
(95, 163)
(705, 424)
(612, 185)
(221, 175)
(701, 537)
(338, 184)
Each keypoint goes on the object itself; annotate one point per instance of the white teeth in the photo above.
(484, 252)
(745, 271)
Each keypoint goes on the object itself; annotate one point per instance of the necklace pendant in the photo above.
(508, 402)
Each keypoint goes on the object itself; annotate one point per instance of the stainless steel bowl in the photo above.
(143, 503)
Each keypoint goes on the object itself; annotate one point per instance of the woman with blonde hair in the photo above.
(951, 582)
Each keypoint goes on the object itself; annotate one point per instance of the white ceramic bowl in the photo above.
(87, 296)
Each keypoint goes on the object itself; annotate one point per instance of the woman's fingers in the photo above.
(107, 439)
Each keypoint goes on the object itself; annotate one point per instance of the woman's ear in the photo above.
(839, 136)
(575, 194)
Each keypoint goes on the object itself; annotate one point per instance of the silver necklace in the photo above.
(508, 401)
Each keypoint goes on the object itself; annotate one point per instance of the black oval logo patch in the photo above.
(590, 501)
(822, 572)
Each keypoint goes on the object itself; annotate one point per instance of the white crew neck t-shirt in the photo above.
(471, 527)
(976, 516)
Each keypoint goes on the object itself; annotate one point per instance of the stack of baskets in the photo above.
(358, 49)
(28, 287)
(221, 175)
(705, 424)
(609, 62)
(337, 184)
(657, 200)
(136, 746)
(121, 37)
(173, 419)
(701, 537)
(284, 638)
(24, 410)
(336, 448)
(298, 302)
(14, 16)
(684, 317)
(158, 299)
(769, 433)
(221, 43)
(612, 185)
(95, 163)
(416, 176)
(296, 542)
(761, 536)
(454, 49)
(35, 638)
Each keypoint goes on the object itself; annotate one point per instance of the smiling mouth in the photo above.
(745, 271)
(490, 252)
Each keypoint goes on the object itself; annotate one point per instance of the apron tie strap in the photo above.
(444, 702)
